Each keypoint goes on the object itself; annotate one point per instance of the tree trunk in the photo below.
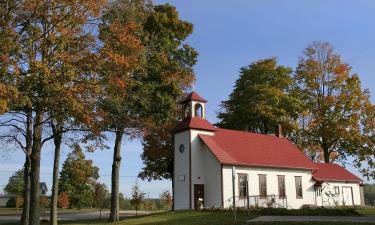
(57, 139)
(326, 152)
(114, 214)
(326, 156)
(26, 192)
(35, 170)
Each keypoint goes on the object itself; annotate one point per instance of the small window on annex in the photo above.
(198, 110)
(298, 183)
(337, 190)
(242, 184)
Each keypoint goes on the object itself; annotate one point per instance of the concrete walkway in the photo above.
(363, 219)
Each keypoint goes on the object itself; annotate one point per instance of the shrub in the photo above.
(305, 211)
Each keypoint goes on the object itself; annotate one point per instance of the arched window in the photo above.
(187, 110)
(198, 110)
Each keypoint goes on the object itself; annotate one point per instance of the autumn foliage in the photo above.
(63, 201)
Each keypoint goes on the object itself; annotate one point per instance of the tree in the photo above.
(122, 55)
(15, 187)
(369, 192)
(147, 67)
(101, 197)
(48, 42)
(124, 203)
(166, 197)
(157, 153)
(262, 98)
(77, 178)
(63, 200)
(15, 184)
(338, 118)
(137, 197)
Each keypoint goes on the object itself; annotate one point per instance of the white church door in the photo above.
(347, 195)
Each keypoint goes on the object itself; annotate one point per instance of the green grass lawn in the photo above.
(199, 218)
(194, 218)
(367, 211)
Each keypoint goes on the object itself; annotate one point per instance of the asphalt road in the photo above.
(12, 219)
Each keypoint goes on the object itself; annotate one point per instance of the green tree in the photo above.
(369, 191)
(338, 118)
(166, 197)
(124, 203)
(137, 197)
(263, 97)
(101, 197)
(78, 178)
(15, 184)
(157, 153)
(147, 67)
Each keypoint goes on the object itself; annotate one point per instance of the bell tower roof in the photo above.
(193, 96)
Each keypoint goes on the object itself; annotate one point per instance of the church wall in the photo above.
(272, 184)
(212, 172)
(181, 171)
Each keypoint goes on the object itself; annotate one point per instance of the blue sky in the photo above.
(232, 34)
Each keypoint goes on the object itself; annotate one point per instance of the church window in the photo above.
(242, 184)
(281, 184)
(262, 185)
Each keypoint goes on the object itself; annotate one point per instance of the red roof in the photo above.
(333, 172)
(251, 149)
(194, 123)
(195, 97)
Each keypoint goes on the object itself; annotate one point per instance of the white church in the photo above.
(213, 167)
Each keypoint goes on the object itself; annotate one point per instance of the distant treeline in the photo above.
(369, 190)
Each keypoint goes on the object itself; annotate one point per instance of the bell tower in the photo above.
(193, 106)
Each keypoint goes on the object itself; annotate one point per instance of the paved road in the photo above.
(314, 218)
(11, 219)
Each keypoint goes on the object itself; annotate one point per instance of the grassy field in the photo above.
(199, 218)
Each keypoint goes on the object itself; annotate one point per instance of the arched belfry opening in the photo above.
(198, 110)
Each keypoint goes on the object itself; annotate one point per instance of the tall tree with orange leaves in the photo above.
(147, 67)
(53, 57)
(337, 122)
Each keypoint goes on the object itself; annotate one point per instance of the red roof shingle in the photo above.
(251, 149)
(333, 172)
(195, 97)
(194, 123)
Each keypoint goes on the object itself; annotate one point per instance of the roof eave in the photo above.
(267, 166)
